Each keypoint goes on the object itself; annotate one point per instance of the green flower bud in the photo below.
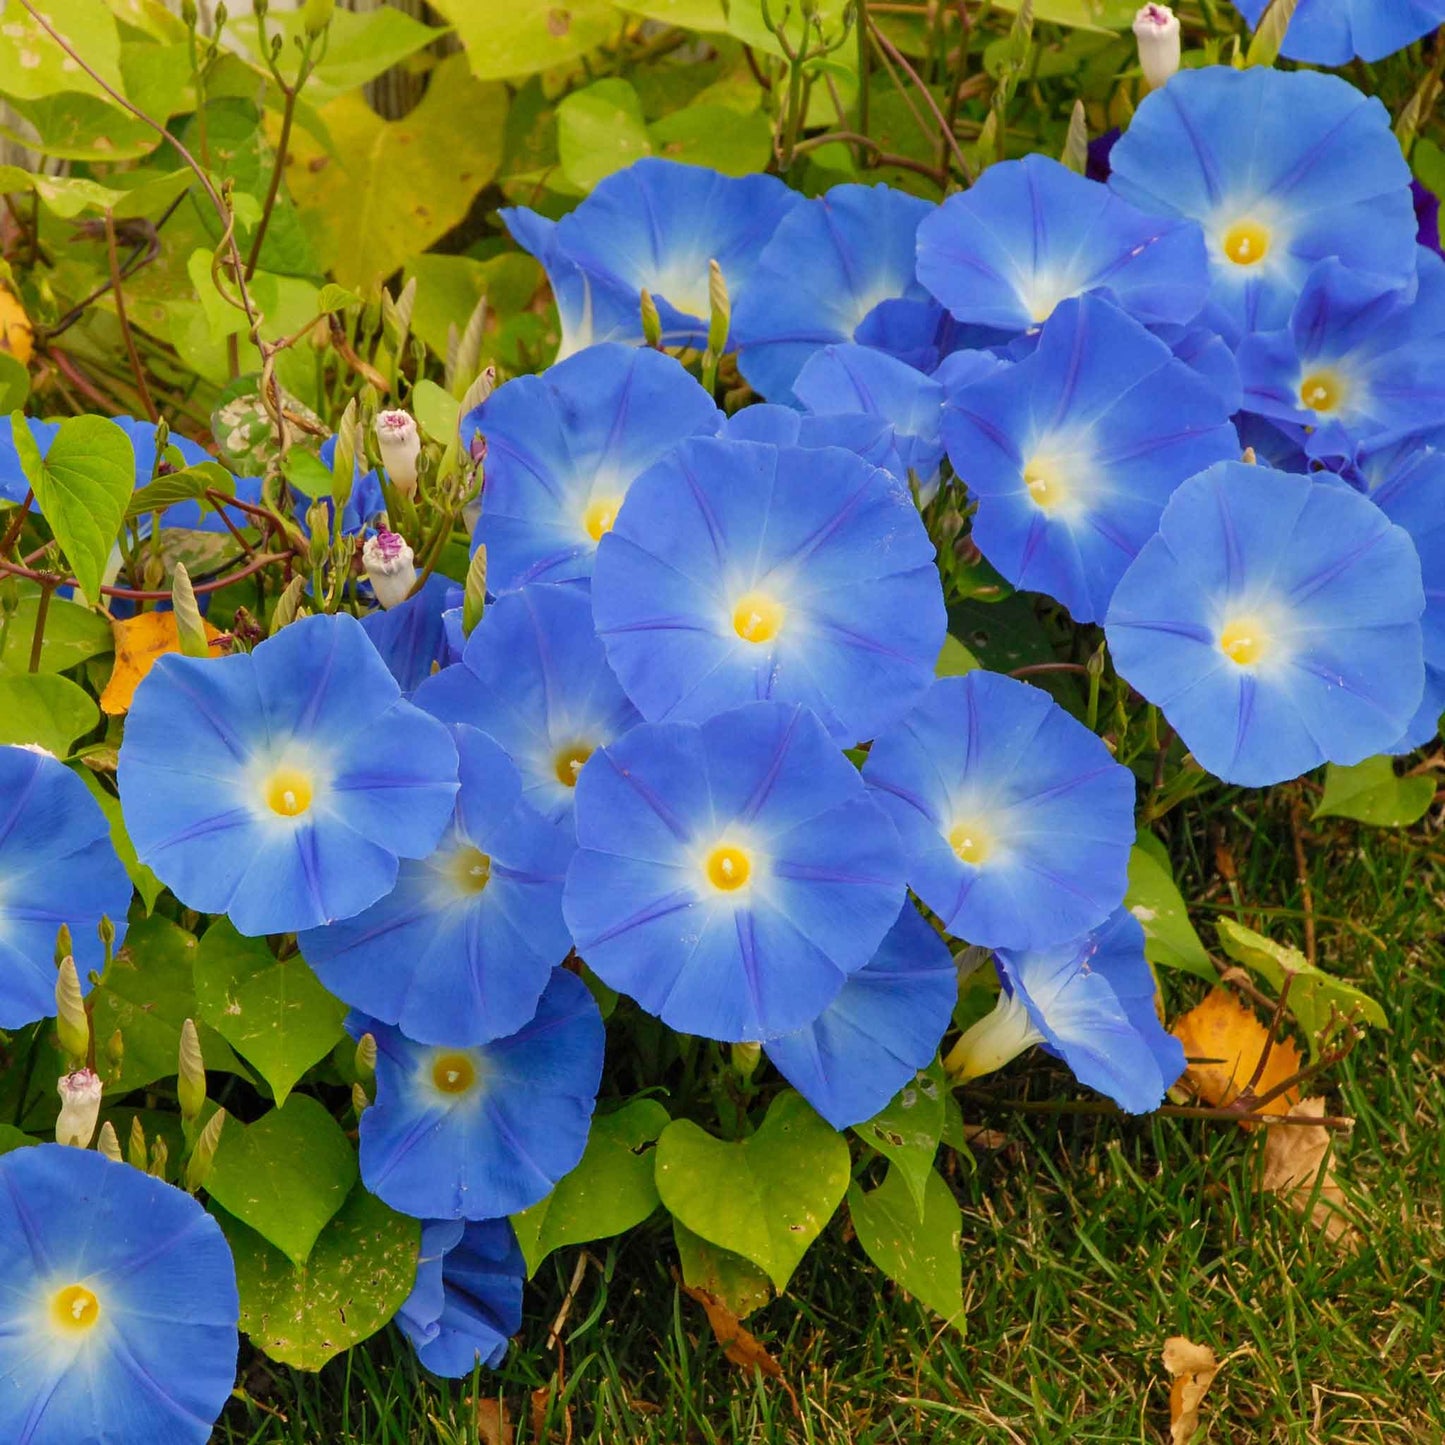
(115, 1053)
(189, 627)
(651, 321)
(720, 307)
(316, 16)
(203, 1156)
(63, 947)
(745, 1059)
(366, 1058)
(191, 1074)
(135, 1146)
(359, 1100)
(71, 1020)
(160, 1157)
(108, 1144)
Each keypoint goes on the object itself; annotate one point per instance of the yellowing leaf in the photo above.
(139, 641)
(1295, 1157)
(1192, 1368)
(17, 336)
(387, 189)
(1223, 1041)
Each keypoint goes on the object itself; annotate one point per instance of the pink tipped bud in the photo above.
(79, 1108)
(390, 565)
(1156, 28)
(400, 444)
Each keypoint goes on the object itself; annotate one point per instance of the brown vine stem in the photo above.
(112, 255)
(887, 47)
(135, 594)
(13, 531)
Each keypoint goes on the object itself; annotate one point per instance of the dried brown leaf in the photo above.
(1191, 1368)
(494, 1423)
(1295, 1156)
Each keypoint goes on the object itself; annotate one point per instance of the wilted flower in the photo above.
(118, 1316)
(57, 866)
(729, 877)
(281, 786)
(399, 443)
(390, 567)
(1156, 28)
(467, 1300)
(476, 1133)
(79, 1107)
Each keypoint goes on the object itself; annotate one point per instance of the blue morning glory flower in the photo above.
(869, 437)
(466, 1303)
(57, 866)
(655, 226)
(829, 263)
(1015, 819)
(739, 571)
(1281, 169)
(461, 949)
(1073, 451)
(281, 786)
(535, 678)
(1031, 233)
(564, 447)
(118, 1313)
(881, 1029)
(13, 482)
(412, 637)
(1355, 361)
(476, 1133)
(1334, 32)
(1406, 481)
(854, 379)
(1275, 621)
(589, 310)
(730, 876)
(1089, 1002)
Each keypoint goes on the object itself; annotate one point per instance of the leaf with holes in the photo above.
(907, 1132)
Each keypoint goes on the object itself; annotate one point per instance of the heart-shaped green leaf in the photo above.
(361, 1269)
(44, 709)
(920, 1252)
(1372, 792)
(907, 1132)
(766, 1197)
(286, 1175)
(610, 1190)
(82, 488)
(276, 1015)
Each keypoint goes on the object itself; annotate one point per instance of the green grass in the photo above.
(1086, 1243)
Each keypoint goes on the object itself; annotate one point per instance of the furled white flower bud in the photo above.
(390, 565)
(991, 1042)
(400, 445)
(1156, 28)
(79, 1108)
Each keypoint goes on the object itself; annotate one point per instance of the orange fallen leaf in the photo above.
(139, 641)
(1223, 1041)
(1295, 1156)
(739, 1344)
(494, 1424)
(17, 335)
(1191, 1368)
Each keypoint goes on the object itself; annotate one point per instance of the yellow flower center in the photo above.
(728, 868)
(288, 792)
(971, 841)
(75, 1308)
(758, 617)
(1046, 486)
(453, 1072)
(1246, 243)
(1322, 391)
(568, 761)
(1243, 641)
(601, 513)
(471, 870)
